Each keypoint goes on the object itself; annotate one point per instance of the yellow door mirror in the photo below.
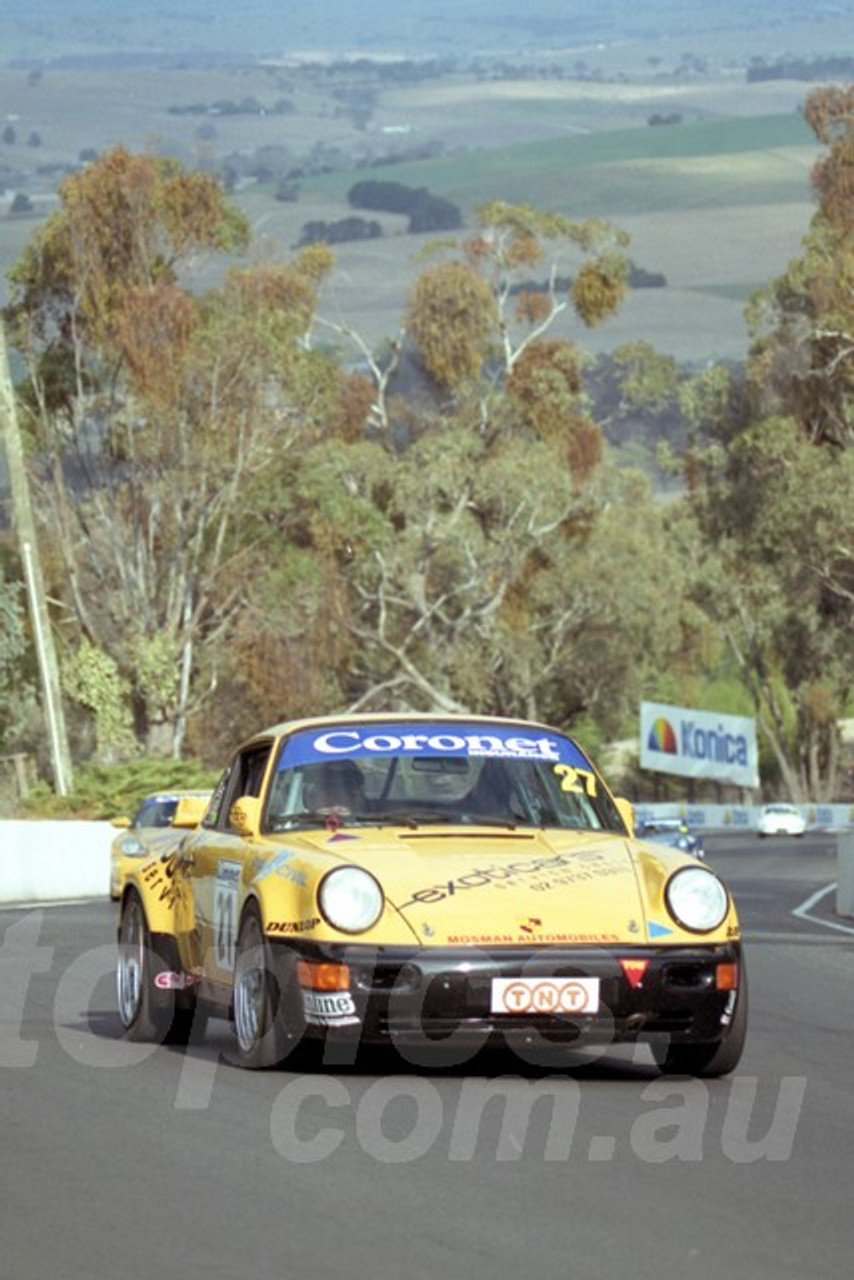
(189, 811)
(245, 815)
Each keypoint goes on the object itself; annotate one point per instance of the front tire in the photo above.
(147, 1011)
(261, 991)
(707, 1061)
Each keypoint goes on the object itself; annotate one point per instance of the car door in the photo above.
(218, 854)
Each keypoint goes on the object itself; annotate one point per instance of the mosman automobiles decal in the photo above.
(521, 939)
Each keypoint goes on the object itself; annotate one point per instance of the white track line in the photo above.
(803, 911)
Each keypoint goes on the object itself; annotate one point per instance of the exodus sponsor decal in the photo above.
(329, 1008)
(558, 869)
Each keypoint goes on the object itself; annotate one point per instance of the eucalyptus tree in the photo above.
(150, 410)
(777, 514)
(774, 489)
(497, 562)
(21, 722)
(481, 302)
(802, 358)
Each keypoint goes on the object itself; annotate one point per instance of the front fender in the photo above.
(159, 882)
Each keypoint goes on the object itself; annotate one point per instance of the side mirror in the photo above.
(245, 815)
(627, 812)
(189, 811)
(123, 823)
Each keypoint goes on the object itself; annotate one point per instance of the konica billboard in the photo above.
(698, 744)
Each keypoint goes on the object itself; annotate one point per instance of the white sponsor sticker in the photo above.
(226, 894)
(168, 980)
(329, 1008)
(545, 995)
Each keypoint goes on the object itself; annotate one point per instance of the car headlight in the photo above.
(350, 899)
(131, 847)
(696, 899)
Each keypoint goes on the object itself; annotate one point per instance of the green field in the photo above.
(699, 164)
(717, 203)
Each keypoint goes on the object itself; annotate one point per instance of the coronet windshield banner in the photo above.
(698, 744)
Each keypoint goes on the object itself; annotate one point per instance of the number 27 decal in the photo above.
(578, 780)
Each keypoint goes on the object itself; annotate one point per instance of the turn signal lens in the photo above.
(323, 977)
(726, 977)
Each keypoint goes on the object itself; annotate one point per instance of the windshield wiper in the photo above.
(412, 817)
(479, 820)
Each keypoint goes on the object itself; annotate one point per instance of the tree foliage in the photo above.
(173, 403)
(777, 513)
(477, 294)
(240, 529)
(802, 357)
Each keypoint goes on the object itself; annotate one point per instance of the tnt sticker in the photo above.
(545, 995)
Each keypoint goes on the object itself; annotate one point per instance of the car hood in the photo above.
(492, 887)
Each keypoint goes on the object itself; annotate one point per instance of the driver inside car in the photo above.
(335, 787)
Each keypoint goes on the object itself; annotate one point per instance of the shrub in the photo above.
(110, 791)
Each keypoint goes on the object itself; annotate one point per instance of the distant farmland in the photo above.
(716, 204)
(689, 165)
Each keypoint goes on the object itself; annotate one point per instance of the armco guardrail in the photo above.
(52, 861)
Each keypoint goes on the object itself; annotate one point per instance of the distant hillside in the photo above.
(200, 31)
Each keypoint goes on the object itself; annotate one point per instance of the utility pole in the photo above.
(25, 528)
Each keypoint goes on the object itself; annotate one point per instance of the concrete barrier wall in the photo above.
(52, 861)
(732, 817)
(845, 873)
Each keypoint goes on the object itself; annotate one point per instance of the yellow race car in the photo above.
(411, 879)
(148, 830)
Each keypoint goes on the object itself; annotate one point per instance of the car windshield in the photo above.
(156, 811)
(414, 775)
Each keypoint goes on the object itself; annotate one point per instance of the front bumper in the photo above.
(399, 996)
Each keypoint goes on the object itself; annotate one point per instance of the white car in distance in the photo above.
(780, 820)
